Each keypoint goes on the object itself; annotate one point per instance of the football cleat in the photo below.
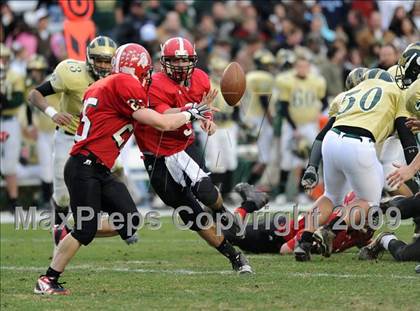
(240, 264)
(303, 251)
(374, 249)
(249, 193)
(59, 233)
(49, 286)
(325, 238)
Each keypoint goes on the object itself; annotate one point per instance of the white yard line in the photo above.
(192, 272)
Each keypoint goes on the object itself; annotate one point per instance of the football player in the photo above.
(221, 152)
(110, 108)
(274, 237)
(175, 166)
(70, 78)
(12, 87)
(255, 110)
(301, 96)
(40, 126)
(360, 118)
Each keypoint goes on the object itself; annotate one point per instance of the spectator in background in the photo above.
(129, 30)
(171, 27)
(186, 14)
(43, 35)
(155, 11)
(224, 24)
(332, 71)
(408, 34)
(415, 14)
(354, 60)
(388, 56)
(22, 36)
(354, 23)
(244, 56)
(399, 15)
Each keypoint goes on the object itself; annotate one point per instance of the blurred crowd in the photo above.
(333, 36)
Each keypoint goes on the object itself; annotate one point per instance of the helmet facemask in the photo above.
(178, 72)
(99, 71)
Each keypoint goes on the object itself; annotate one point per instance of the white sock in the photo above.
(386, 239)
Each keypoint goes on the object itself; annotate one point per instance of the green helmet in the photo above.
(377, 73)
(101, 47)
(355, 77)
(408, 69)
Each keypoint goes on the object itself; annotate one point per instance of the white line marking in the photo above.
(192, 272)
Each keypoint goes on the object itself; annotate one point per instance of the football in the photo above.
(233, 84)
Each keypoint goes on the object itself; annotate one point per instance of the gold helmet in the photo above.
(355, 77)
(408, 69)
(37, 62)
(413, 99)
(285, 58)
(377, 73)
(301, 148)
(102, 48)
(392, 70)
(263, 59)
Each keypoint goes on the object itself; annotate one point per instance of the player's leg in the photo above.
(86, 210)
(286, 161)
(60, 199)
(9, 151)
(264, 143)
(122, 210)
(398, 249)
(45, 144)
(392, 152)
(175, 196)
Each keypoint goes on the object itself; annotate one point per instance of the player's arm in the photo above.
(408, 141)
(286, 114)
(310, 176)
(37, 98)
(170, 122)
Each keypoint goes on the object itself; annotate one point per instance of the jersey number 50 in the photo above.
(366, 102)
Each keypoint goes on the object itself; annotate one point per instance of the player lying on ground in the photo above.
(176, 166)
(409, 207)
(112, 106)
(275, 238)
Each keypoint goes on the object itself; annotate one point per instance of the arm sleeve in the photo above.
(29, 115)
(265, 101)
(285, 113)
(316, 154)
(408, 141)
(45, 88)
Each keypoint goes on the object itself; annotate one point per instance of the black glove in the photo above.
(310, 177)
(198, 111)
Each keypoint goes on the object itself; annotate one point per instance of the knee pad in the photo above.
(207, 193)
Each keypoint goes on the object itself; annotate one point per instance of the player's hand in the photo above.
(402, 174)
(209, 127)
(31, 132)
(310, 177)
(209, 98)
(62, 118)
(199, 112)
(413, 124)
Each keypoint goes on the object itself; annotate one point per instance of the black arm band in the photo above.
(316, 154)
(45, 88)
(408, 141)
(326, 128)
(285, 113)
(29, 115)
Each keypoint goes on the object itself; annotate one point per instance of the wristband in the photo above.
(50, 111)
(187, 115)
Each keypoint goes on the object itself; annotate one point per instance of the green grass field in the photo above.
(173, 269)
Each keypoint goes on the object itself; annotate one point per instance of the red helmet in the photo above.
(176, 49)
(133, 59)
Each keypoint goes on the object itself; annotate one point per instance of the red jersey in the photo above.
(106, 122)
(164, 94)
